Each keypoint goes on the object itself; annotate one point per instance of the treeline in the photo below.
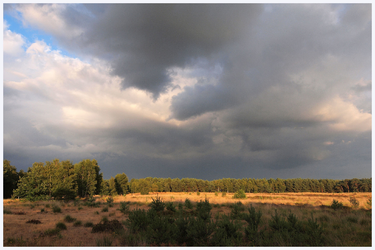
(249, 185)
(65, 180)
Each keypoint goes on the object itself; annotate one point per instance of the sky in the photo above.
(204, 91)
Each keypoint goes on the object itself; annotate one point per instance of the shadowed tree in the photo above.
(121, 183)
(10, 178)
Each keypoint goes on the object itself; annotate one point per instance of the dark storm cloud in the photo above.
(143, 41)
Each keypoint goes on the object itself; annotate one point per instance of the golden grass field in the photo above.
(17, 232)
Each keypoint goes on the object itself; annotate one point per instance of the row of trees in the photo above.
(249, 185)
(67, 180)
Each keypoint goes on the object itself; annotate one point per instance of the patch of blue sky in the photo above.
(31, 34)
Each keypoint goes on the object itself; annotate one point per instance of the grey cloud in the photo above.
(143, 41)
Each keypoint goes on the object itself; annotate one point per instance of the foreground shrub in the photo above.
(91, 202)
(137, 221)
(354, 202)
(124, 207)
(56, 209)
(104, 242)
(240, 194)
(105, 209)
(336, 205)
(51, 232)
(198, 231)
(236, 212)
(77, 223)
(157, 204)
(204, 210)
(161, 230)
(107, 226)
(61, 226)
(170, 207)
(188, 204)
(253, 219)
(226, 233)
(292, 232)
(110, 201)
(68, 218)
(88, 224)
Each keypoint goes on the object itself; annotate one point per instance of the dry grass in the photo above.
(16, 228)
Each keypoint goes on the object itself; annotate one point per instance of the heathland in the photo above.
(192, 219)
(65, 204)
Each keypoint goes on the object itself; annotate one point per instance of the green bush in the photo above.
(180, 206)
(68, 218)
(223, 194)
(88, 224)
(292, 232)
(199, 231)
(124, 207)
(226, 233)
(253, 220)
(104, 242)
(204, 210)
(336, 205)
(108, 226)
(61, 226)
(198, 193)
(77, 223)
(110, 201)
(137, 221)
(105, 209)
(91, 202)
(188, 204)
(56, 209)
(170, 207)
(157, 204)
(237, 209)
(240, 194)
(181, 230)
(161, 230)
(352, 219)
(354, 202)
(51, 232)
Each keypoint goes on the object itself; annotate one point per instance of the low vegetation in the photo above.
(204, 220)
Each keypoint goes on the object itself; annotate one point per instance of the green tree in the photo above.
(112, 186)
(121, 183)
(10, 177)
(63, 184)
(86, 177)
(33, 185)
(104, 189)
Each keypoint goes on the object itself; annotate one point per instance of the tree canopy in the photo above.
(65, 180)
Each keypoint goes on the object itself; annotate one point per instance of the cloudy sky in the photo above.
(201, 91)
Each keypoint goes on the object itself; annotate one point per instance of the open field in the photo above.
(344, 227)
